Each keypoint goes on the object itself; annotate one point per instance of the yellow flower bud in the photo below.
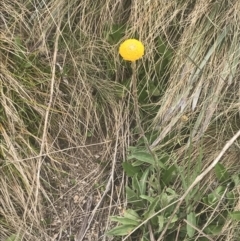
(131, 49)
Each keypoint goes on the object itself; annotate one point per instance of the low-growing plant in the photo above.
(152, 195)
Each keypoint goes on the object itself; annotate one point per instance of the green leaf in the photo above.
(219, 190)
(153, 182)
(160, 164)
(142, 156)
(153, 90)
(143, 182)
(221, 172)
(137, 163)
(151, 209)
(129, 169)
(165, 56)
(163, 48)
(136, 185)
(164, 158)
(230, 198)
(235, 215)
(116, 33)
(145, 197)
(142, 94)
(235, 178)
(125, 221)
(121, 230)
(191, 218)
(164, 199)
(132, 149)
(131, 195)
(13, 237)
(213, 229)
(174, 219)
(131, 214)
(161, 221)
(168, 175)
(194, 193)
(205, 200)
(171, 191)
(144, 237)
(133, 198)
(203, 239)
(212, 199)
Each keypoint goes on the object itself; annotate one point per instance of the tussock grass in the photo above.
(60, 82)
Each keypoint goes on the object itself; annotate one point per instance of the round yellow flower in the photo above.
(131, 49)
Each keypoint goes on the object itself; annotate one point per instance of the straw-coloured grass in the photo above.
(63, 115)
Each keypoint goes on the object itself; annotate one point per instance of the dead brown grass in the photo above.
(57, 90)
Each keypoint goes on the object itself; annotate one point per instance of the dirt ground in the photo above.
(79, 211)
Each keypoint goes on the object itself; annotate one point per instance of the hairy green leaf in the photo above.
(131, 214)
(235, 215)
(191, 218)
(143, 182)
(213, 229)
(130, 169)
(148, 198)
(142, 156)
(161, 221)
(13, 237)
(125, 221)
(136, 185)
(121, 230)
(221, 172)
(151, 208)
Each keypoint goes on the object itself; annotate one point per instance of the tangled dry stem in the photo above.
(203, 86)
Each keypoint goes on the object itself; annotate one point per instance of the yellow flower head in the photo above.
(131, 49)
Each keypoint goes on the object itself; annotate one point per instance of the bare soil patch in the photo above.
(76, 192)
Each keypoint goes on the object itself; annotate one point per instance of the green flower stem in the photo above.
(136, 108)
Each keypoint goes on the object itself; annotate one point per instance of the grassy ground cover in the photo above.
(93, 147)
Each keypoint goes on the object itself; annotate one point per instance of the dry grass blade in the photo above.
(81, 234)
(198, 77)
(64, 118)
(56, 113)
(43, 147)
